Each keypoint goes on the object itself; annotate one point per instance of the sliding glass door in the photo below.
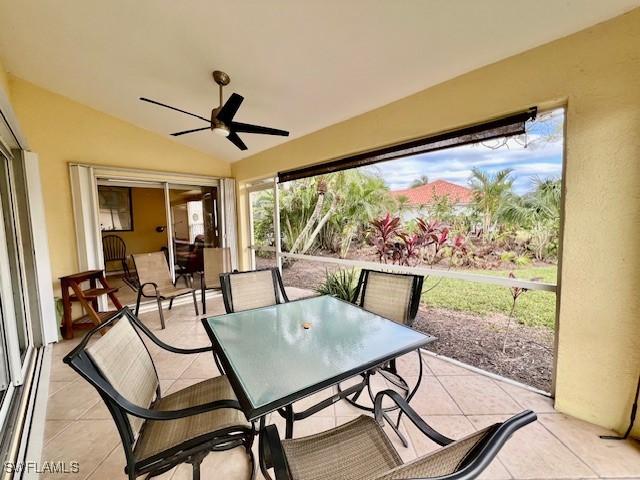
(195, 224)
(16, 340)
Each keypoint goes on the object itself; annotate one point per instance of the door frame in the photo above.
(84, 192)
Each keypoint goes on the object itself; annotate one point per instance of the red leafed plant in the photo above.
(411, 244)
(385, 229)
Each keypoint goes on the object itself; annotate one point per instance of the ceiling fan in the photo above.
(221, 121)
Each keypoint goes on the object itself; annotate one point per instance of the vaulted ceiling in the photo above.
(300, 64)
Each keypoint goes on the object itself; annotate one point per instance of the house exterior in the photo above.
(419, 198)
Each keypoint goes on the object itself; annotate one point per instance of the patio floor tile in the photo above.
(478, 395)
(85, 442)
(433, 399)
(528, 399)
(71, 401)
(440, 367)
(608, 458)
(534, 453)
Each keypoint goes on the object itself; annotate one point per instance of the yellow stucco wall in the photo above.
(4, 79)
(596, 73)
(61, 131)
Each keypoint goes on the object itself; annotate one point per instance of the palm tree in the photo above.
(490, 194)
(418, 182)
(538, 212)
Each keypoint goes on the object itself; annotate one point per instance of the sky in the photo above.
(542, 157)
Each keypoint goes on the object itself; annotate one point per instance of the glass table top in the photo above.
(272, 360)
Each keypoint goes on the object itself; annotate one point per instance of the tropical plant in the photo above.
(341, 284)
(539, 213)
(327, 211)
(441, 208)
(490, 194)
(385, 230)
(362, 197)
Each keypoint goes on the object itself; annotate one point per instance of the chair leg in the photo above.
(195, 462)
(138, 300)
(170, 303)
(160, 311)
(203, 297)
(195, 302)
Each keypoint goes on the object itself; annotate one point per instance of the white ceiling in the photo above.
(300, 64)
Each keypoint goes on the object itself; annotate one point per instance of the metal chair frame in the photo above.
(159, 297)
(272, 455)
(389, 371)
(192, 451)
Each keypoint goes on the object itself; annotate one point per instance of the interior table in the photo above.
(277, 355)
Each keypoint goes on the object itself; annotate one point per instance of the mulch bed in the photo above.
(477, 341)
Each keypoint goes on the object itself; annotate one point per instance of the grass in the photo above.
(533, 307)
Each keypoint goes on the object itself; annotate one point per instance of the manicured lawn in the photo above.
(532, 308)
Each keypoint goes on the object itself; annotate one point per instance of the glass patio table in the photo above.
(277, 355)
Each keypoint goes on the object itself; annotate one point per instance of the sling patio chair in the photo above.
(252, 289)
(396, 297)
(360, 450)
(155, 282)
(158, 432)
(216, 262)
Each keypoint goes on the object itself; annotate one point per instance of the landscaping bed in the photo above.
(477, 341)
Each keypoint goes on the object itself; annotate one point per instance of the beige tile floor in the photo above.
(454, 400)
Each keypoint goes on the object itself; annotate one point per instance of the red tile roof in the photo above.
(424, 194)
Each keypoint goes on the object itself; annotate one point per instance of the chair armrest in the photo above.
(160, 343)
(141, 287)
(411, 415)
(272, 452)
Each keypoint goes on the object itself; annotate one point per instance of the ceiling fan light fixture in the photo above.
(221, 129)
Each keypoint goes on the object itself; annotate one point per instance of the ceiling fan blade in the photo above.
(184, 132)
(208, 120)
(236, 140)
(229, 109)
(248, 128)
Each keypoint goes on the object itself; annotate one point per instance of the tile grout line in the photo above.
(570, 449)
(71, 422)
(101, 462)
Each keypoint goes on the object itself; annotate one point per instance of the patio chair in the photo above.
(396, 297)
(115, 250)
(361, 450)
(155, 277)
(158, 432)
(252, 289)
(216, 261)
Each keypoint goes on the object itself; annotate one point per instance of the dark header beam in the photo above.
(503, 127)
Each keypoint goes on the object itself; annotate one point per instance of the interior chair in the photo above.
(155, 282)
(115, 250)
(158, 432)
(216, 262)
(360, 450)
(252, 289)
(396, 297)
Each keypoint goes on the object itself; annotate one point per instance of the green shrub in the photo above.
(522, 261)
(508, 256)
(341, 284)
